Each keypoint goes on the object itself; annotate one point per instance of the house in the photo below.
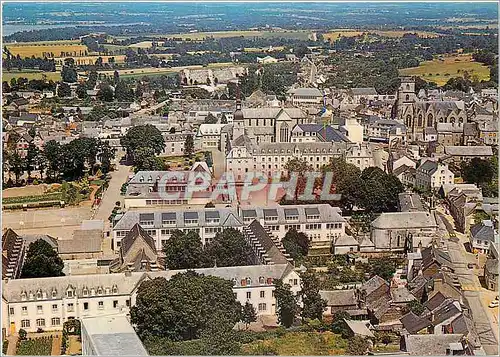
(462, 203)
(23, 144)
(431, 175)
(49, 302)
(414, 324)
(402, 160)
(491, 268)
(208, 136)
(266, 60)
(341, 300)
(432, 345)
(137, 253)
(482, 236)
(461, 153)
(304, 133)
(174, 143)
(85, 243)
(430, 134)
(305, 96)
(359, 328)
(267, 249)
(396, 231)
(488, 132)
(322, 222)
(110, 335)
(406, 175)
(410, 202)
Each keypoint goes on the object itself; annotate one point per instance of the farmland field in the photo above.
(39, 49)
(334, 35)
(441, 70)
(7, 76)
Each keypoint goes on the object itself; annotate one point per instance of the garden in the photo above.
(40, 346)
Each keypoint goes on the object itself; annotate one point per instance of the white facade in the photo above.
(208, 136)
(432, 175)
(49, 302)
(353, 130)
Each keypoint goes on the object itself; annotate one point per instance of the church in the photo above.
(420, 113)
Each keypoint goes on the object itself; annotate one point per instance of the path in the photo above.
(11, 349)
(485, 326)
(56, 345)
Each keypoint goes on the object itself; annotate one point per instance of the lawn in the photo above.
(7, 76)
(334, 35)
(299, 343)
(41, 49)
(35, 347)
(441, 70)
(199, 36)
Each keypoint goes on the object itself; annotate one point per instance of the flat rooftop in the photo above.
(113, 336)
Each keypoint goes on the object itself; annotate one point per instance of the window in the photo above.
(54, 308)
(85, 305)
(262, 294)
(249, 294)
(40, 322)
(56, 321)
(70, 307)
(24, 310)
(262, 307)
(11, 311)
(69, 293)
(25, 323)
(295, 282)
(39, 309)
(272, 293)
(127, 302)
(85, 292)
(115, 304)
(100, 305)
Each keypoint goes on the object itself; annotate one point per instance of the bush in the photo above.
(22, 334)
(5, 346)
(35, 182)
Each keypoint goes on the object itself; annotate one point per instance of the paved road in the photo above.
(485, 326)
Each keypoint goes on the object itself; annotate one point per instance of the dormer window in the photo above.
(69, 293)
(150, 179)
(141, 179)
(249, 281)
(54, 293)
(23, 296)
(32, 297)
(262, 280)
(85, 291)
(39, 295)
(115, 289)
(107, 291)
(234, 281)
(99, 291)
(92, 292)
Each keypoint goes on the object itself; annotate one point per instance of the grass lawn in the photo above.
(300, 343)
(334, 35)
(7, 76)
(198, 36)
(441, 70)
(35, 347)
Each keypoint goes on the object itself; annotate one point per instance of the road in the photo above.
(486, 326)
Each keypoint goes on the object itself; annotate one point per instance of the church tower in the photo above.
(405, 98)
(238, 119)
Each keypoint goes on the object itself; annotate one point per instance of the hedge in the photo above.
(32, 205)
(38, 198)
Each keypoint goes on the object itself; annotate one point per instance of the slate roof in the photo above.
(470, 151)
(363, 91)
(483, 231)
(491, 266)
(135, 233)
(312, 92)
(401, 294)
(325, 133)
(83, 241)
(429, 167)
(359, 328)
(403, 220)
(429, 345)
(373, 284)
(435, 301)
(339, 297)
(414, 323)
(275, 255)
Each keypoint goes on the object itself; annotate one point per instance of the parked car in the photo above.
(494, 303)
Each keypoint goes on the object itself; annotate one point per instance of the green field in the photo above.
(441, 70)
(7, 76)
(299, 344)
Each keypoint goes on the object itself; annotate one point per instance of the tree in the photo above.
(123, 92)
(248, 314)
(189, 146)
(81, 91)
(223, 119)
(296, 244)
(478, 171)
(414, 306)
(41, 261)
(52, 153)
(69, 192)
(142, 136)
(183, 251)
(298, 168)
(69, 74)
(16, 164)
(31, 158)
(105, 93)
(314, 305)
(338, 324)
(63, 90)
(219, 340)
(346, 181)
(383, 267)
(184, 307)
(286, 304)
(379, 191)
(228, 248)
(357, 346)
(107, 154)
(145, 159)
(116, 77)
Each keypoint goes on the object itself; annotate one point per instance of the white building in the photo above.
(208, 136)
(266, 60)
(482, 236)
(353, 130)
(322, 223)
(488, 132)
(49, 302)
(431, 175)
(174, 143)
(305, 96)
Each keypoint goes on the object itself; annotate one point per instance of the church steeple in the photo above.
(238, 119)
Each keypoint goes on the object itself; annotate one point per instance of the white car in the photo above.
(494, 303)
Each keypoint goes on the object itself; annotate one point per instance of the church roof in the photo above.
(136, 232)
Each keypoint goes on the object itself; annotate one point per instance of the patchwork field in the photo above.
(7, 76)
(198, 36)
(334, 35)
(441, 70)
(54, 49)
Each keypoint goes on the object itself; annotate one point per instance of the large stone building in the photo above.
(420, 113)
(322, 223)
(47, 303)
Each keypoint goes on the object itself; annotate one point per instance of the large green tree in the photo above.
(286, 304)
(313, 304)
(142, 136)
(183, 251)
(41, 261)
(379, 191)
(228, 248)
(189, 146)
(248, 314)
(145, 159)
(105, 93)
(185, 307)
(296, 244)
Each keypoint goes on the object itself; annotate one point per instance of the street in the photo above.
(484, 320)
